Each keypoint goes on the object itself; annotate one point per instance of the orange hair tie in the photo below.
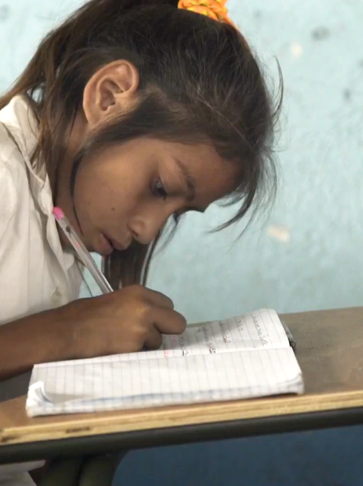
(215, 9)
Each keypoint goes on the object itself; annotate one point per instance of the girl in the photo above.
(129, 113)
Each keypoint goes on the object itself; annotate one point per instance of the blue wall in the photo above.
(307, 255)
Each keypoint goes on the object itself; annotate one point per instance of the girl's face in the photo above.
(129, 191)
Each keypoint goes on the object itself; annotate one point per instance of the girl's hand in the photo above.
(124, 321)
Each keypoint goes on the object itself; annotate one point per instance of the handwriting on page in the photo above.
(245, 332)
(257, 330)
(260, 331)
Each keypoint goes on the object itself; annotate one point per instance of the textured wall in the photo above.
(308, 254)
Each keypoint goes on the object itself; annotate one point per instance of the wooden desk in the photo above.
(330, 353)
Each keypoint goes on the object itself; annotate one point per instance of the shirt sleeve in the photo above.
(8, 212)
(8, 197)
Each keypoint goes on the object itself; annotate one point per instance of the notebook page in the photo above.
(90, 387)
(258, 330)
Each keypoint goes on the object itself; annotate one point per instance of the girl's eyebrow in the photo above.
(188, 179)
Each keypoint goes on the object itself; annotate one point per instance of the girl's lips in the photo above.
(117, 245)
(105, 247)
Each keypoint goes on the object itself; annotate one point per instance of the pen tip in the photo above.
(58, 213)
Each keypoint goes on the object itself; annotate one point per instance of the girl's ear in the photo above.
(110, 92)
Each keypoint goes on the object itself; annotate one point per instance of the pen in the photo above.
(289, 335)
(82, 251)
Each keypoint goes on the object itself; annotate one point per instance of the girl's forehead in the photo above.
(214, 177)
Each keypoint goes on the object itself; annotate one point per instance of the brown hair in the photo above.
(199, 82)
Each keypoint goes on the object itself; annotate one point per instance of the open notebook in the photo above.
(242, 357)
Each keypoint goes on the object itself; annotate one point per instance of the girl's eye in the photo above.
(159, 189)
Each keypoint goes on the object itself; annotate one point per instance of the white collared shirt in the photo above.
(36, 274)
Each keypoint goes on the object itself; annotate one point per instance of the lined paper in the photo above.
(260, 329)
(242, 357)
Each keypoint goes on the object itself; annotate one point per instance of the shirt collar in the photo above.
(20, 121)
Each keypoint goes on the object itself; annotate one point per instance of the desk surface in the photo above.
(329, 351)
